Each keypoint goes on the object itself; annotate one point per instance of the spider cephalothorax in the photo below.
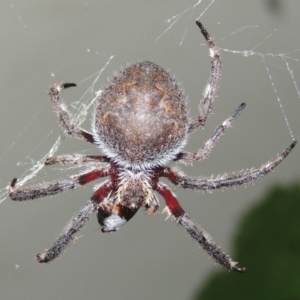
(132, 190)
(141, 124)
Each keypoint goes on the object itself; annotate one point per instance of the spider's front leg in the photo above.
(65, 116)
(76, 224)
(195, 231)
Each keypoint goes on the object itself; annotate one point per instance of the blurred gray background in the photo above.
(44, 42)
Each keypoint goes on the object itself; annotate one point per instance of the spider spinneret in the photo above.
(141, 123)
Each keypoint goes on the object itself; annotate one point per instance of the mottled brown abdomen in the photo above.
(141, 116)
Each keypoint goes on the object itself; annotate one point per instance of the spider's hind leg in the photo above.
(54, 187)
(76, 159)
(75, 225)
(195, 231)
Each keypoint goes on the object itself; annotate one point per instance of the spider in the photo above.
(141, 124)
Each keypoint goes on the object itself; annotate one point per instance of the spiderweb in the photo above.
(85, 42)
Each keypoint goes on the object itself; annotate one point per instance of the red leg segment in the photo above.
(195, 231)
(175, 209)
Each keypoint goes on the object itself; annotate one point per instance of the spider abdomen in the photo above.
(141, 117)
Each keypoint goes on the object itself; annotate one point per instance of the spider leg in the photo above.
(195, 231)
(65, 116)
(237, 178)
(75, 225)
(76, 159)
(212, 86)
(203, 153)
(55, 187)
